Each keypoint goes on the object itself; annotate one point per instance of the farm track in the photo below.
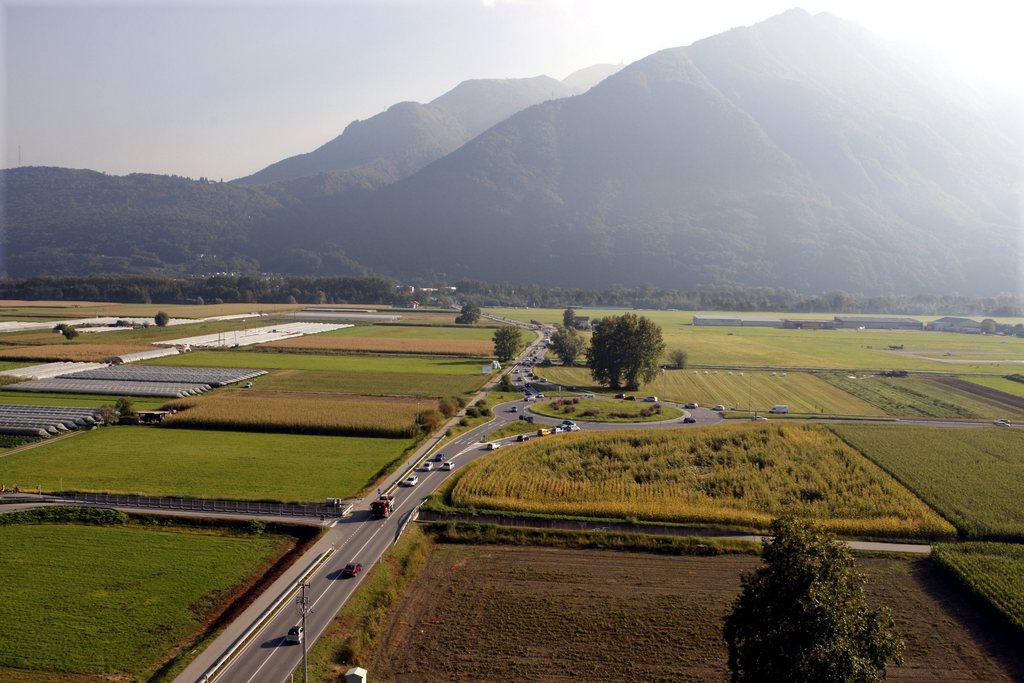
(1000, 398)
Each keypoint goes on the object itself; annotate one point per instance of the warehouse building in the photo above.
(954, 324)
(735, 321)
(806, 324)
(878, 323)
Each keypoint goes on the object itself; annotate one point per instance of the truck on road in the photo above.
(381, 508)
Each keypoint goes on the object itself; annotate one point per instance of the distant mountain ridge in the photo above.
(800, 152)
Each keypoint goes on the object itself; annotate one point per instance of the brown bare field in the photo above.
(300, 413)
(69, 352)
(488, 613)
(440, 347)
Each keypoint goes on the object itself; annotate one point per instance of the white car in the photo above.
(719, 408)
(294, 636)
(571, 428)
(760, 418)
(493, 446)
(427, 467)
(691, 406)
(1001, 422)
(411, 480)
(448, 466)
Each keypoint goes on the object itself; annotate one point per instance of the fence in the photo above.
(208, 505)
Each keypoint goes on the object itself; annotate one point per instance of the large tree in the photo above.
(469, 315)
(507, 340)
(802, 616)
(625, 350)
(567, 344)
(568, 318)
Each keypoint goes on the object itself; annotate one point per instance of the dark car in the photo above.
(522, 437)
(438, 458)
(294, 636)
(620, 396)
(631, 398)
(689, 420)
(351, 570)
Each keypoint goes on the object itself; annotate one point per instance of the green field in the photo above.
(113, 601)
(921, 396)
(204, 463)
(324, 362)
(735, 389)
(370, 383)
(734, 474)
(77, 400)
(973, 477)
(994, 571)
(466, 333)
(1003, 384)
(826, 349)
(605, 410)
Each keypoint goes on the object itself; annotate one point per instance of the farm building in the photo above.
(820, 324)
(582, 322)
(878, 323)
(954, 324)
(735, 321)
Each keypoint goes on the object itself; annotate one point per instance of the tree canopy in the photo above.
(507, 340)
(568, 318)
(469, 315)
(567, 344)
(625, 350)
(802, 616)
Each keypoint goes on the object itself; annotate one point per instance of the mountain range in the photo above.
(801, 151)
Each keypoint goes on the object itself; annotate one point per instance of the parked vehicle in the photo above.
(620, 396)
(779, 409)
(351, 570)
(294, 636)
(448, 466)
(381, 508)
(411, 480)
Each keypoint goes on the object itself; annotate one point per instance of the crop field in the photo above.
(68, 351)
(204, 463)
(929, 396)
(994, 571)
(135, 337)
(825, 349)
(631, 616)
(301, 413)
(55, 310)
(473, 342)
(370, 383)
(113, 602)
(973, 477)
(735, 474)
(803, 392)
(595, 410)
(1003, 384)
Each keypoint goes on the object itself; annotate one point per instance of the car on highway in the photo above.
(438, 458)
(294, 636)
(719, 408)
(514, 409)
(427, 467)
(448, 466)
(689, 419)
(631, 398)
(351, 569)
(411, 480)
(760, 418)
(493, 446)
(690, 406)
(523, 437)
(588, 395)
(650, 399)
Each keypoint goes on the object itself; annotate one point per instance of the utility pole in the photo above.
(302, 604)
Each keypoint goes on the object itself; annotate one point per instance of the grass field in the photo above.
(54, 310)
(79, 400)
(929, 396)
(736, 389)
(630, 616)
(825, 349)
(68, 351)
(115, 602)
(473, 342)
(597, 410)
(973, 477)
(203, 463)
(1003, 384)
(511, 429)
(994, 571)
(729, 474)
(299, 413)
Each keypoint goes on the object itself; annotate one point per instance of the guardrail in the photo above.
(207, 505)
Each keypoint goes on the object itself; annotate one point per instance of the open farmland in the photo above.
(115, 602)
(973, 477)
(1003, 384)
(54, 310)
(348, 374)
(994, 571)
(736, 389)
(79, 400)
(729, 474)
(826, 349)
(203, 463)
(69, 351)
(594, 410)
(929, 396)
(473, 342)
(629, 616)
(301, 413)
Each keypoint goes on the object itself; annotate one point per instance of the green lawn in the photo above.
(113, 601)
(736, 389)
(844, 349)
(973, 477)
(607, 410)
(203, 463)
(1003, 384)
(77, 400)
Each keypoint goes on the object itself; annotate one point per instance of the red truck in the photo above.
(381, 508)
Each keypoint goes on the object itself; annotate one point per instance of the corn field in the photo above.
(995, 571)
(731, 474)
(301, 413)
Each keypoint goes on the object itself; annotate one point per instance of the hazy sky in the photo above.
(221, 90)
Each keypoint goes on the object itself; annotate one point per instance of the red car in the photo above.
(351, 570)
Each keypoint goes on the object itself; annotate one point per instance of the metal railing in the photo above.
(208, 505)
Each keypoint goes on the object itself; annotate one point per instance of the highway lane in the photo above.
(357, 539)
